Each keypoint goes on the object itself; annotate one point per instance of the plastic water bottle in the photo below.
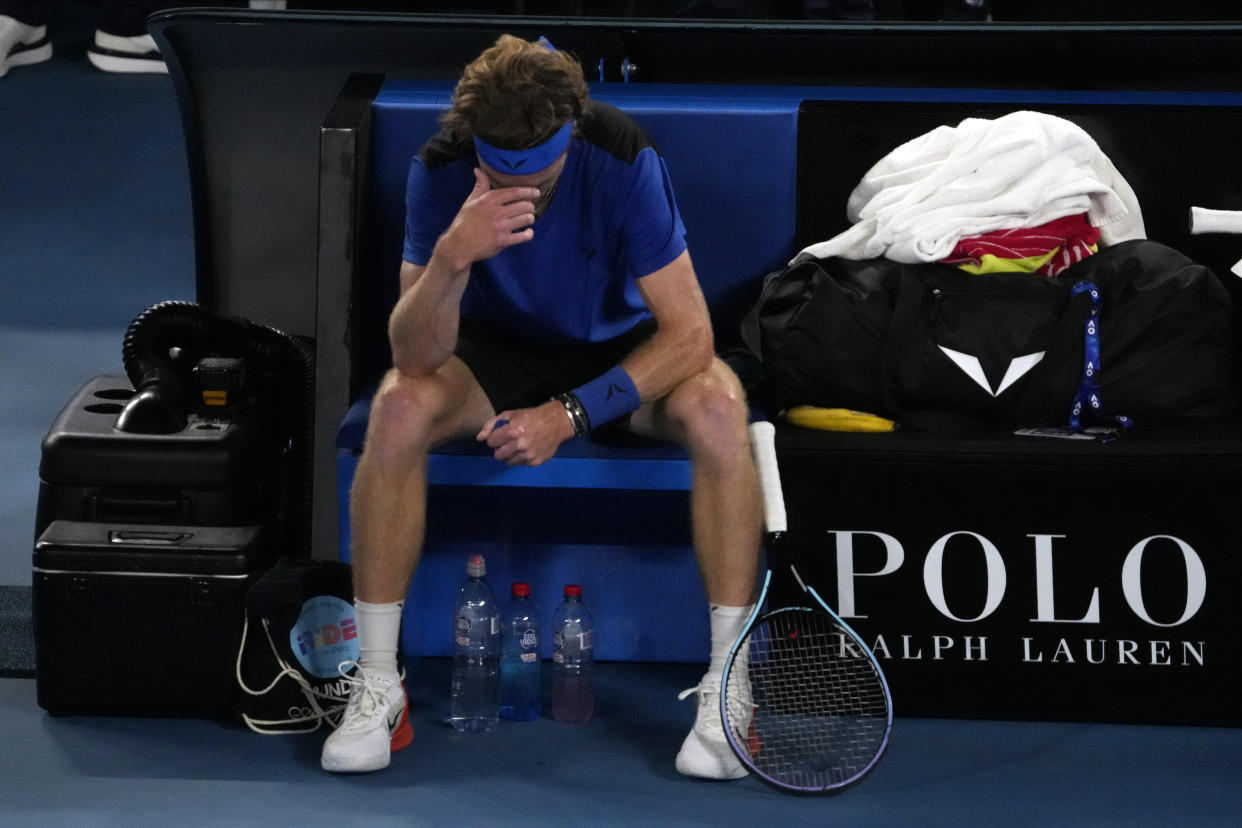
(519, 657)
(573, 644)
(475, 699)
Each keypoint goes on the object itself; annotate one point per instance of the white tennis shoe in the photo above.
(118, 53)
(706, 753)
(376, 722)
(22, 45)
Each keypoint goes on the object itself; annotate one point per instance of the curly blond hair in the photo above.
(516, 94)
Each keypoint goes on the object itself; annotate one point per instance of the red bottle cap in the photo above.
(520, 589)
(574, 590)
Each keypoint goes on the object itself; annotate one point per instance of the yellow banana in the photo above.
(837, 419)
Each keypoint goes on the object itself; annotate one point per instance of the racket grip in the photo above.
(763, 445)
(1203, 220)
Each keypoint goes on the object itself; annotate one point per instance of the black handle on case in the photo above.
(148, 537)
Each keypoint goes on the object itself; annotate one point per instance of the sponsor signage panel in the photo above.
(1031, 591)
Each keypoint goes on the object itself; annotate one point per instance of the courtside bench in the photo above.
(738, 207)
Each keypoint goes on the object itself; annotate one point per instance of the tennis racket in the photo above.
(805, 704)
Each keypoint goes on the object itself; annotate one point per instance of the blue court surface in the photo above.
(615, 770)
(95, 226)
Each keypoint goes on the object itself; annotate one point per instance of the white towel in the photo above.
(1020, 170)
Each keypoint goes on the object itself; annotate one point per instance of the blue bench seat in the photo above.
(732, 156)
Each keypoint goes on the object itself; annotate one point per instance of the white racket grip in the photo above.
(1203, 220)
(763, 445)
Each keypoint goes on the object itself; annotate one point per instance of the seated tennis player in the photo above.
(546, 290)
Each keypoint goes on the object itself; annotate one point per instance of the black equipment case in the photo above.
(140, 619)
(145, 545)
(217, 471)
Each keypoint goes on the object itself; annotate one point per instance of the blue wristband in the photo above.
(608, 396)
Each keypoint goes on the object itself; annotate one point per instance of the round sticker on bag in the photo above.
(324, 635)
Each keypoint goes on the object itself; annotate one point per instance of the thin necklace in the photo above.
(545, 198)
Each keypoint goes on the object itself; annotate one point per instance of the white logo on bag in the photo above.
(1018, 367)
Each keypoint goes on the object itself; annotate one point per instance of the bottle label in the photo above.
(462, 629)
(530, 640)
(530, 657)
(586, 640)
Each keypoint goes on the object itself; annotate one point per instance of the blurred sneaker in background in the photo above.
(21, 44)
(121, 53)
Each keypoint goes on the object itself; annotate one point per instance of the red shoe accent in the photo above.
(753, 745)
(403, 733)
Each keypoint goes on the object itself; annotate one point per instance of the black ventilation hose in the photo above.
(157, 372)
(165, 342)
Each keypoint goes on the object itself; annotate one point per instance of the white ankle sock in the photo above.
(379, 630)
(726, 624)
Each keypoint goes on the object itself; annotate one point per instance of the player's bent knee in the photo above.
(404, 411)
(710, 408)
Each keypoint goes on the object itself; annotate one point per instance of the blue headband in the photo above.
(527, 161)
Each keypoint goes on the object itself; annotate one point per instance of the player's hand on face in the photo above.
(492, 219)
(527, 436)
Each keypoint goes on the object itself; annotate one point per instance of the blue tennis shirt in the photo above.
(613, 220)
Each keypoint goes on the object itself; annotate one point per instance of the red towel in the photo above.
(1047, 249)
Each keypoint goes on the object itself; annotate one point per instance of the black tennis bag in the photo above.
(299, 629)
(938, 348)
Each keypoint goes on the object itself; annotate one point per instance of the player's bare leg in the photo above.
(708, 415)
(388, 517)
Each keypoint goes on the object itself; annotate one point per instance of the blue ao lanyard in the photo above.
(1088, 399)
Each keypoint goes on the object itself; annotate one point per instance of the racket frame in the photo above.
(775, 525)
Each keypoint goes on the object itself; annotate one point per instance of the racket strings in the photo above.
(805, 702)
